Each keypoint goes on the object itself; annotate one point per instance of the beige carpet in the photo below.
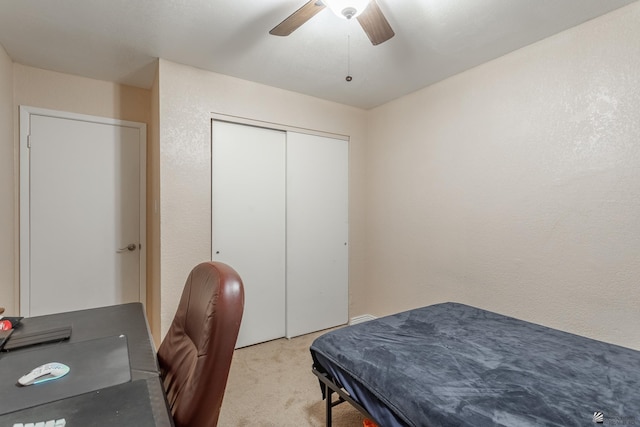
(271, 385)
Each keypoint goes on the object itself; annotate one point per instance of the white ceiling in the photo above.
(119, 40)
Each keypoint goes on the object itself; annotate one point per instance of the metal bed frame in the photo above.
(329, 386)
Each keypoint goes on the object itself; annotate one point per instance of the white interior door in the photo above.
(82, 206)
(317, 233)
(248, 214)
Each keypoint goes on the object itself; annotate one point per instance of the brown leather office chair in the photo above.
(195, 355)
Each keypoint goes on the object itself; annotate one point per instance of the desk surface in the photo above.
(97, 406)
(128, 319)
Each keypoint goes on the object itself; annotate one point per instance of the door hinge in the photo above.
(28, 141)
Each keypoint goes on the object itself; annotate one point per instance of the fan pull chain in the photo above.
(348, 78)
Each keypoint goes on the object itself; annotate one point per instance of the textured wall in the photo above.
(188, 97)
(7, 204)
(515, 186)
(153, 213)
(36, 87)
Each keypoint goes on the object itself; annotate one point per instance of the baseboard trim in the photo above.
(361, 319)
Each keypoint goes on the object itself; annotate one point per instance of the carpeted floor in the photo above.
(271, 385)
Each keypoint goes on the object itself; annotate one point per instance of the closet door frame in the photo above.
(341, 312)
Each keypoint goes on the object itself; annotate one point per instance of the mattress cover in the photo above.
(452, 364)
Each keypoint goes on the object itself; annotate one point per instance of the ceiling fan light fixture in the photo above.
(346, 9)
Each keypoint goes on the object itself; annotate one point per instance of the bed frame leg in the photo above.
(327, 386)
(328, 400)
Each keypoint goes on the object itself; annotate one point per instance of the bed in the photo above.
(452, 364)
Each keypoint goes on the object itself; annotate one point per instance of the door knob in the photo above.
(130, 247)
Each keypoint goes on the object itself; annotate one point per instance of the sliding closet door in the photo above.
(317, 233)
(248, 232)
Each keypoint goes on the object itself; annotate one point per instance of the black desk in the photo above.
(133, 398)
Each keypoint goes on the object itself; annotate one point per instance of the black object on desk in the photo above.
(20, 340)
(94, 364)
(4, 336)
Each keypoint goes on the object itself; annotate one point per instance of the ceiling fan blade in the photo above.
(297, 18)
(375, 24)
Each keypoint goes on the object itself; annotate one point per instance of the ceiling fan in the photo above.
(367, 12)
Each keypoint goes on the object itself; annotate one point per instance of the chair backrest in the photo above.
(195, 355)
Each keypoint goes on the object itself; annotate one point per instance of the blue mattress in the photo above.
(455, 365)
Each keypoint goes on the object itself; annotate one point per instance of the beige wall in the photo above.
(153, 213)
(188, 96)
(7, 202)
(515, 186)
(46, 89)
(58, 91)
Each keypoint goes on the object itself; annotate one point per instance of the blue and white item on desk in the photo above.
(46, 372)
